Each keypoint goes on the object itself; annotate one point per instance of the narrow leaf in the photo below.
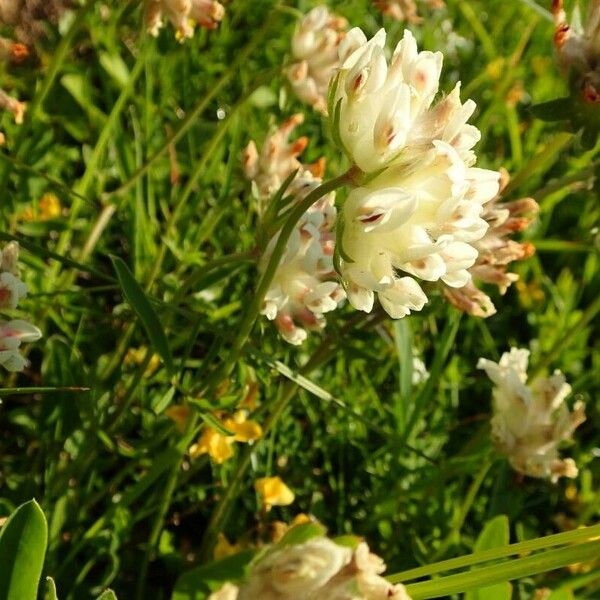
(141, 305)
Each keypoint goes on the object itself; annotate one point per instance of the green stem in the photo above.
(507, 571)
(543, 543)
(269, 273)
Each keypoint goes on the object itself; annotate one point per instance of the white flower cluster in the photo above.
(405, 10)
(530, 421)
(579, 47)
(315, 570)
(304, 287)
(182, 14)
(315, 51)
(12, 333)
(420, 212)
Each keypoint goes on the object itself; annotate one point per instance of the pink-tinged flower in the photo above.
(277, 159)
(405, 10)
(315, 51)
(578, 48)
(496, 250)
(305, 285)
(12, 334)
(13, 106)
(530, 421)
(183, 15)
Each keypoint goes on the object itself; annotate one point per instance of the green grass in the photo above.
(411, 468)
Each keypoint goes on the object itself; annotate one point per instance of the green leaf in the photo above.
(560, 109)
(496, 533)
(50, 593)
(107, 595)
(23, 541)
(141, 305)
(115, 66)
(199, 583)
(213, 422)
(301, 533)
(403, 343)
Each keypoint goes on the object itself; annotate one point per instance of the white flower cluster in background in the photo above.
(495, 252)
(531, 420)
(420, 214)
(314, 570)
(405, 10)
(305, 286)
(578, 47)
(14, 332)
(183, 14)
(315, 51)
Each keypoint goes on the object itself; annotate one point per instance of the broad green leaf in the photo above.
(199, 583)
(554, 110)
(496, 533)
(23, 541)
(403, 343)
(114, 65)
(143, 309)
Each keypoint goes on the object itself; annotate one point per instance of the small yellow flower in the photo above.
(216, 445)
(179, 414)
(273, 492)
(243, 430)
(136, 356)
(223, 548)
(49, 208)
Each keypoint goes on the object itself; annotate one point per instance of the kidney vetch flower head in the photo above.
(183, 14)
(313, 570)
(419, 208)
(304, 286)
(531, 420)
(315, 50)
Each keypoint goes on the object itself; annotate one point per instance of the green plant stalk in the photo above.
(269, 273)
(507, 571)
(549, 541)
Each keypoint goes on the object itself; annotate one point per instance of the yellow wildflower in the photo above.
(49, 208)
(136, 356)
(179, 414)
(243, 430)
(213, 443)
(273, 492)
(223, 548)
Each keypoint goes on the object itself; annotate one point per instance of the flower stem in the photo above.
(267, 277)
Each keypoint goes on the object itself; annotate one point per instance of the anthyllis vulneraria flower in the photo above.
(14, 332)
(313, 570)
(420, 210)
(277, 159)
(183, 15)
(30, 18)
(315, 51)
(405, 10)
(531, 420)
(305, 286)
(578, 47)
(496, 250)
